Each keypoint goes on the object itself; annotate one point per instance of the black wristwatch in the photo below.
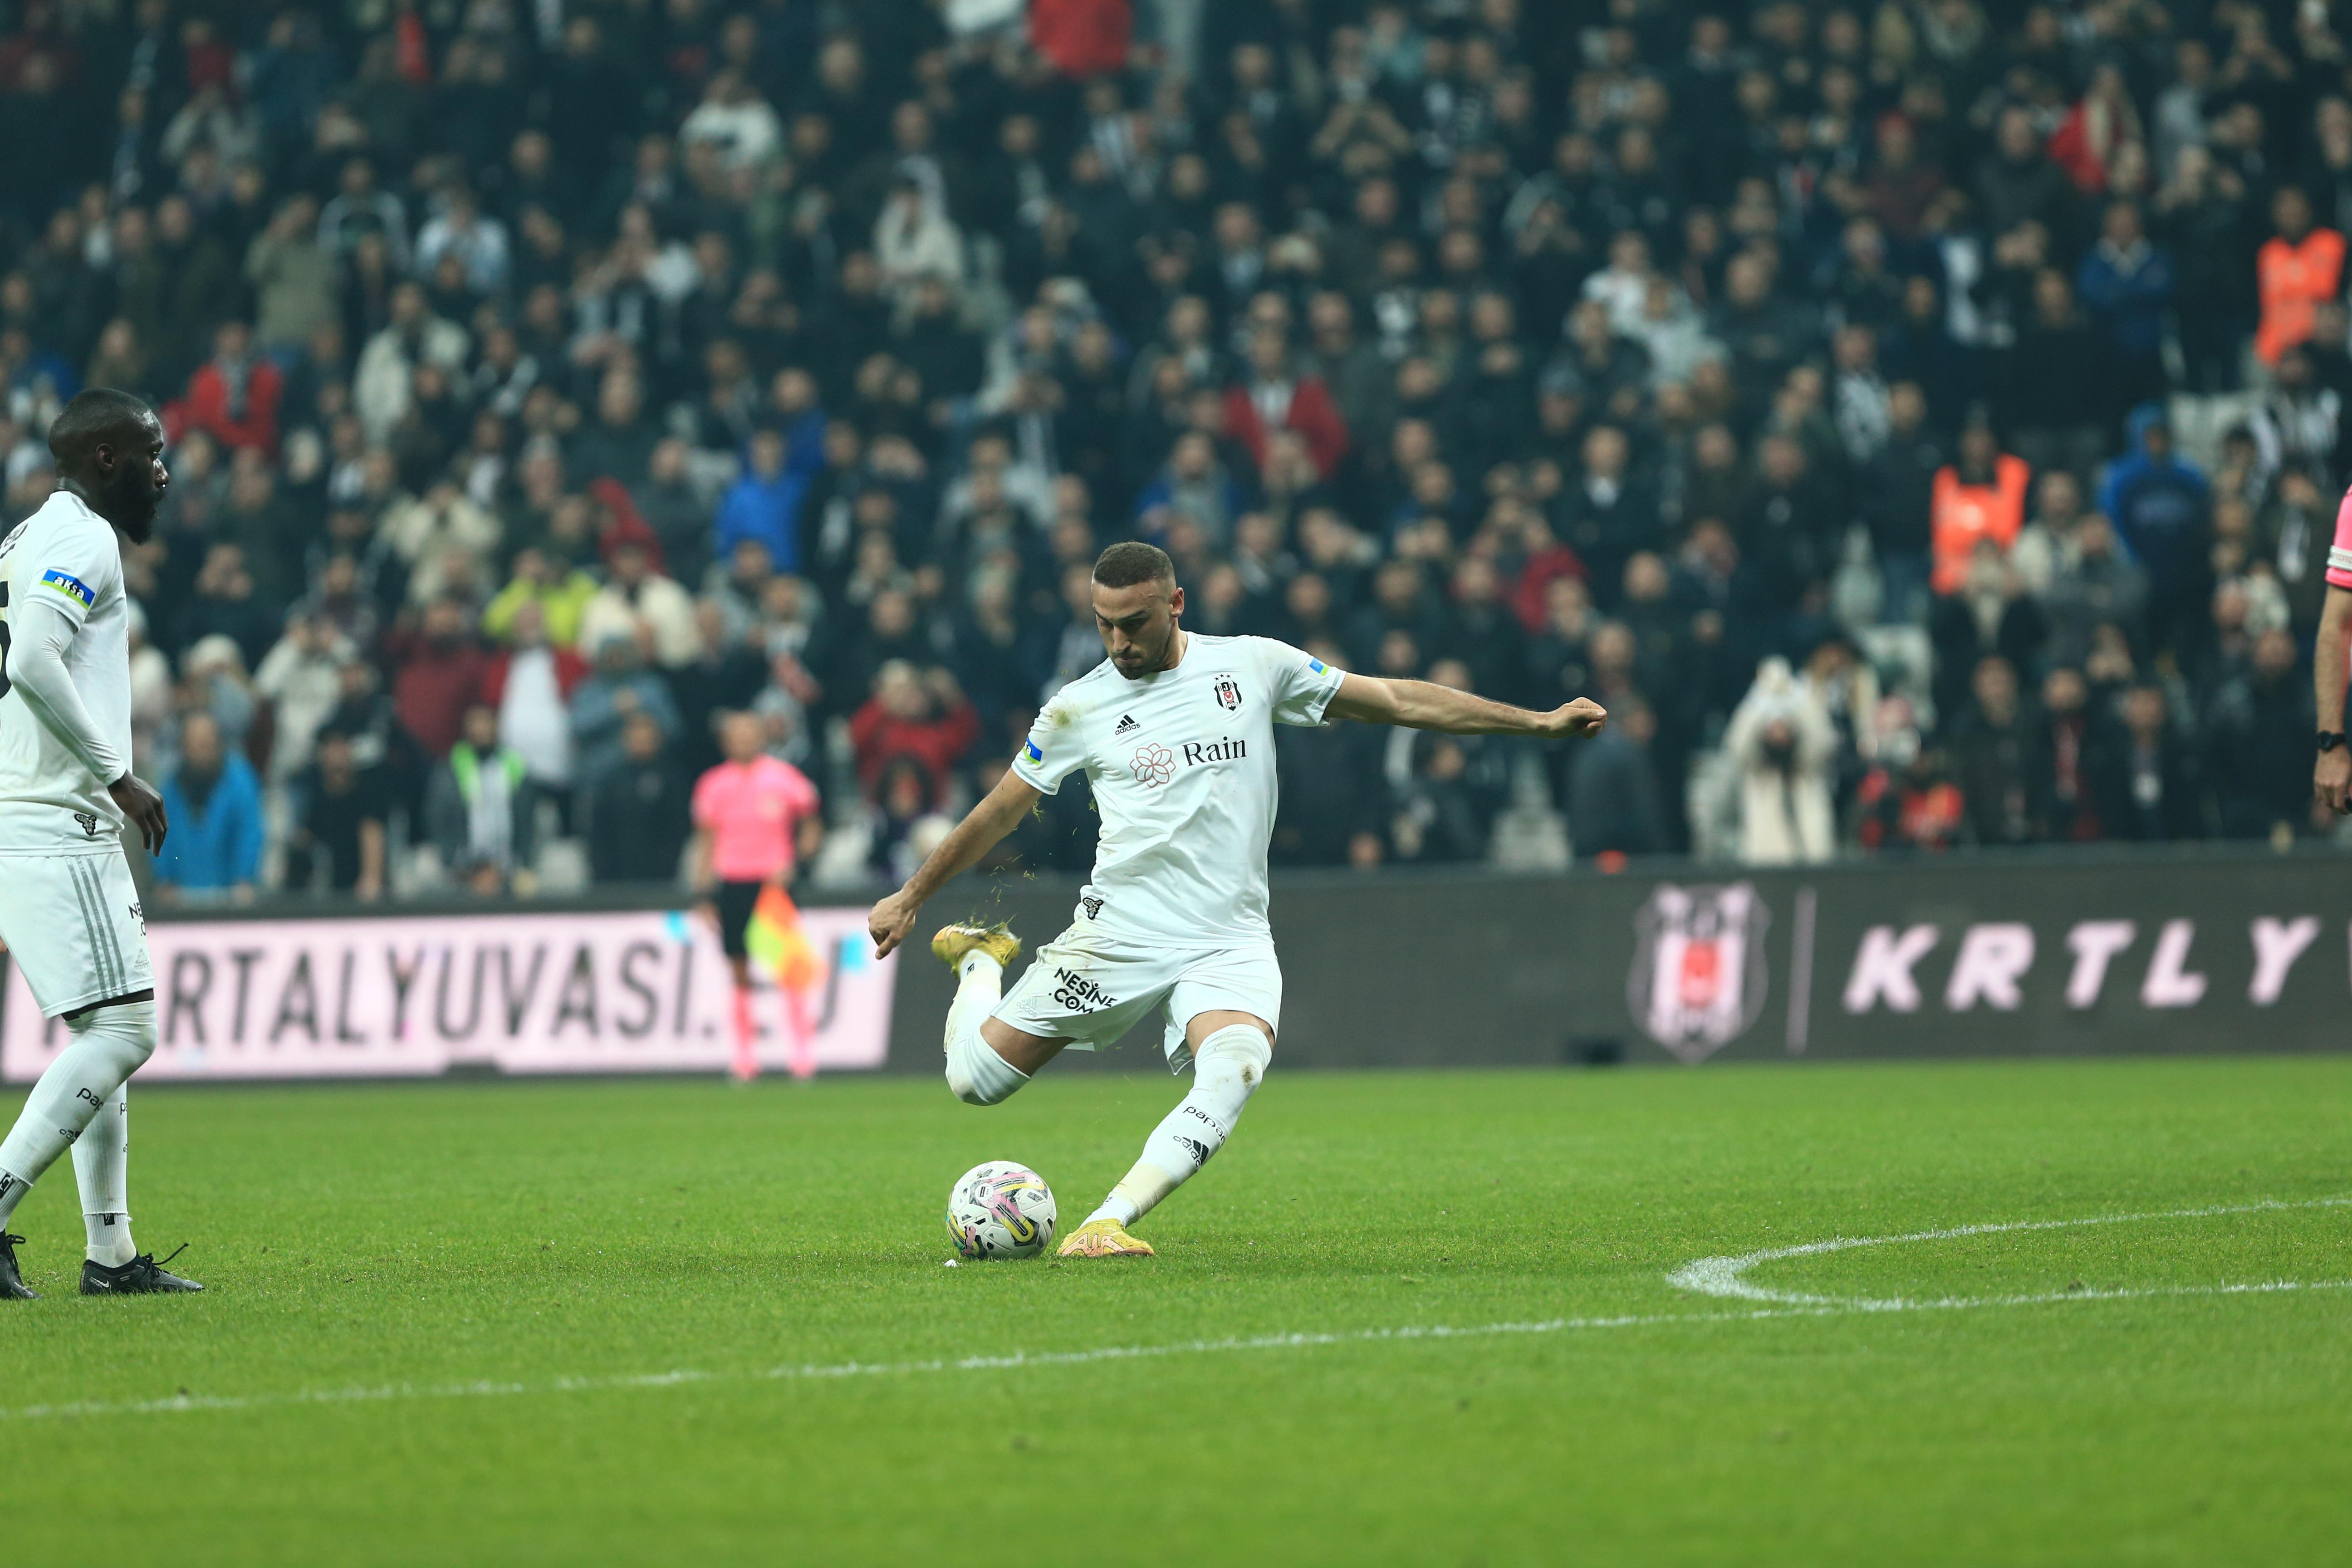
(2330, 739)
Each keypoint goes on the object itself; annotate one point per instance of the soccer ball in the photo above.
(1000, 1210)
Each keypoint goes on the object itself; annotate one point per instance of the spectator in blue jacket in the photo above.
(2162, 505)
(765, 504)
(2127, 283)
(213, 803)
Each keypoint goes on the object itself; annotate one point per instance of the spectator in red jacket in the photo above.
(442, 672)
(233, 397)
(1082, 37)
(914, 714)
(1276, 396)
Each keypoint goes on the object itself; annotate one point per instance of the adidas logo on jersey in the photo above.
(1127, 724)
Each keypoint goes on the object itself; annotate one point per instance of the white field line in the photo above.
(1708, 1276)
(1726, 1278)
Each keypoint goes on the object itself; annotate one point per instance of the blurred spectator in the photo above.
(1613, 804)
(2259, 725)
(765, 504)
(2145, 783)
(920, 716)
(2297, 267)
(2062, 758)
(1783, 747)
(558, 593)
(428, 531)
(301, 679)
(1980, 497)
(441, 675)
(1908, 803)
(338, 828)
(530, 685)
(639, 603)
(1990, 753)
(2160, 504)
(618, 686)
(1335, 777)
(640, 816)
(2126, 282)
(151, 693)
(1272, 395)
(233, 396)
(480, 811)
(213, 803)
(2095, 585)
(1444, 791)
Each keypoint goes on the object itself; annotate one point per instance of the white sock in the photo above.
(976, 1074)
(109, 1045)
(101, 1158)
(1226, 1071)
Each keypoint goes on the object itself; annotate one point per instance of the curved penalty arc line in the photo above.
(1726, 1278)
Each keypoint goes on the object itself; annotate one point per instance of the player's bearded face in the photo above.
(1137, 625)
(134, 488)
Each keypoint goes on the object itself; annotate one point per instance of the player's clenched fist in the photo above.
(1577, 718)
(891, 922)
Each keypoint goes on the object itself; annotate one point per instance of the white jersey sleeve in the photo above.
(1300, 685)
(1054, 748)
(65, 568)
(64, 702)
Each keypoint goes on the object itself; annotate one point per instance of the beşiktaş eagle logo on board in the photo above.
(1697, 980)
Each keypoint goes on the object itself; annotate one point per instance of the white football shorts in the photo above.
(1090, 991)
(73, 927)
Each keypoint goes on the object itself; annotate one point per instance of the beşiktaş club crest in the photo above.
(1698, 978)
(1228, 692)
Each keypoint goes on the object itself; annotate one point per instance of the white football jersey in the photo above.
(65, 555)
(1181, 764)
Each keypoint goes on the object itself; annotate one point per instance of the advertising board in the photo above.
(394, 996)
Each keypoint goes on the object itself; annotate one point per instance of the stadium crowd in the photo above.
(1919, 423)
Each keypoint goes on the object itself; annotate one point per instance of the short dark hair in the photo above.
(94, 417)
(1126, 565)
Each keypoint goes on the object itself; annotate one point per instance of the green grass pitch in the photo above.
(614, 1323)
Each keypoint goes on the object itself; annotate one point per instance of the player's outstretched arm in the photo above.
(1421, 705)
(2331, 672)
(996, 815)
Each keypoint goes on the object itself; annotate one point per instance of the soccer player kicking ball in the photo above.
(71, 914)
(1175, 732)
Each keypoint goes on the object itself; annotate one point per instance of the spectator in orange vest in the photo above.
(1982, 496)
(2296, 270)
